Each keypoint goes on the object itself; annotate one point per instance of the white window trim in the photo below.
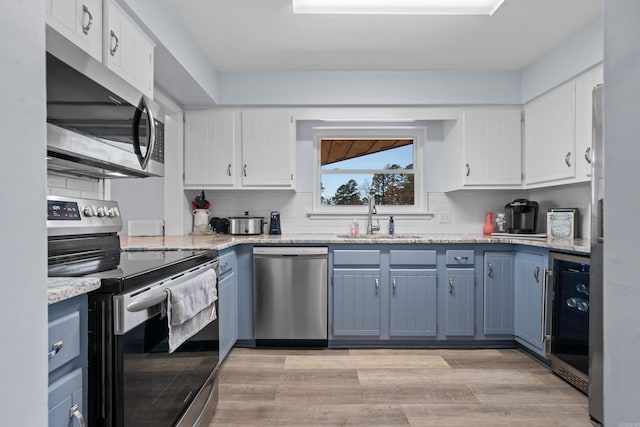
(416, 133)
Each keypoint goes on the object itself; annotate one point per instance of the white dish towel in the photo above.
(190, 307)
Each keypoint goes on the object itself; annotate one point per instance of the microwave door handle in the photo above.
(137, 117)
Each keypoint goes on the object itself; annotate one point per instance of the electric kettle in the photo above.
(274, 226)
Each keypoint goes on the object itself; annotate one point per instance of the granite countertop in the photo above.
(62, 288)
(223, 241)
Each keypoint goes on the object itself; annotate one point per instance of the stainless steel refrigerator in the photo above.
(596, 410)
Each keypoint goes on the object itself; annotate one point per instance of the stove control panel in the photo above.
(68, 215)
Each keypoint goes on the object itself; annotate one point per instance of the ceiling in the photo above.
(265, 35)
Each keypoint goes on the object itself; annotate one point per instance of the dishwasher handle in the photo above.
(290, 251)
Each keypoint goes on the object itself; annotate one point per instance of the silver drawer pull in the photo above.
(85, 11)
(451, 286)
(75, 412)
(377, 285)
(394, 286)
(55, 349)
(490, 271)
(461, 258)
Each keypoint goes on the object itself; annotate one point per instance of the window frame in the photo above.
(416, 133)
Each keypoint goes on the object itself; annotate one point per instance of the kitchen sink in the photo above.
(380, 236)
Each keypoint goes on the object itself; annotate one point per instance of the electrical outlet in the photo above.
(445, 217)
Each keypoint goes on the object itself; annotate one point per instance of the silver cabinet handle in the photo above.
(587, 155)
(229, 169)
(451, 286)
(377, 286)
(490, 270)
(55, 349)
(112, 50)
(244, 170)
(85, 11)
(567, 159)
(461, 258)
(536, 274)
(394, 286)
(544, 305)
(75, 412)
(467, 169)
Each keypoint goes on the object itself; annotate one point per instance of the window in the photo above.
(355, 164)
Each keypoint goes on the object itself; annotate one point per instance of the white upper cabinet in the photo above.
(128, 51)
(549, 139)
(584, 111)
(80, 21)
(492, 147)
(268, 149)
(209, 149)
(483, 149)
(233, 149)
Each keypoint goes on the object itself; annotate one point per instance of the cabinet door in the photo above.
(529, 291)
(498, 293)
(267, 148)
(78, 21)
(129, 52)
(492, 142)
(65, 394)
(584, 123)
(228, 313)
(413, 303)
(209, 148)
(356, 302)
(550, 137)
(460, 306)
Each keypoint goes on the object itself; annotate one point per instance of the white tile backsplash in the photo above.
(467, 208)
(58, 185)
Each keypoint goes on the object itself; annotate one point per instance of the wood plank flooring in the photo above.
(389, 387)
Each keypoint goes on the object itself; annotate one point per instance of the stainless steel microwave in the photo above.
(94, 132)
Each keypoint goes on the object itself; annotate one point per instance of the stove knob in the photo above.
(116, 212)
(100, 211)
(112, 212)
(89, 211)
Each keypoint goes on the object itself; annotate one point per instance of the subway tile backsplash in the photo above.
(58, 185)
(467, 210)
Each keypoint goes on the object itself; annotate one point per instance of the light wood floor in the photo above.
(393, 388)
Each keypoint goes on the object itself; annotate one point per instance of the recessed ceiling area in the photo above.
(265, 35)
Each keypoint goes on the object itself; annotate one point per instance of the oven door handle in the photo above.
(148, 302)
(160, 295)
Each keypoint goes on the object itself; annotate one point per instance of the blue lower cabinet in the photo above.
(529, 293)
(228, 313)
(65, 400)
(498, 293)
(413, 303)
(460, 302)
(356, 302)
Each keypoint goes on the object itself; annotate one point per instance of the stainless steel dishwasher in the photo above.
(289, 294)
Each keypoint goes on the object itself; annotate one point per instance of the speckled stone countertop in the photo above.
(62, 288)
(223, 241)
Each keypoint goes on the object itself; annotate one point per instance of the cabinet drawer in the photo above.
(346, 257)
(63, 394)
(64, 340)
(226, 263)
(459, 257)
(412, 257)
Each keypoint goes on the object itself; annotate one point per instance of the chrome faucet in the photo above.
(372, 211)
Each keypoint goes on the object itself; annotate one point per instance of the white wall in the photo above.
(23, 247)
(622, 178)
(564, 196)
(579, 52)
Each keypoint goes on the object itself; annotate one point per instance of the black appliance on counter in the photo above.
(133, 379)
(274, 226)
(522, 216)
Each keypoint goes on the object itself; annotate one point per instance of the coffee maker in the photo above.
(522, 216)
(274, 226)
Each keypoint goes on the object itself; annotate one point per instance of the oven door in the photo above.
(133, 379)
